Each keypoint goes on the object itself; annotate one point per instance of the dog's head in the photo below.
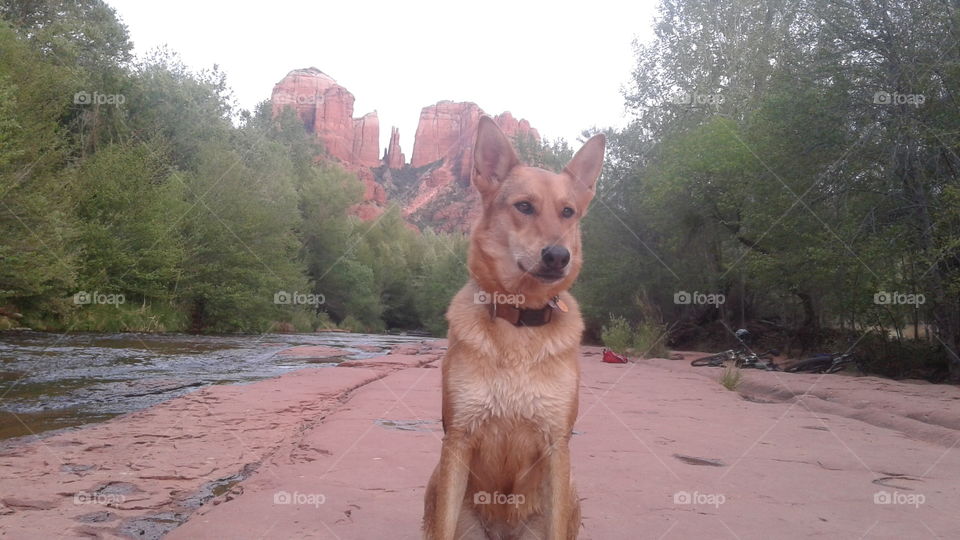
(528, 238)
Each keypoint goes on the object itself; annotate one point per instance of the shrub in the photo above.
(646, 339)
(352, 324)
(649, 340)
(731, 378)
(617, 335)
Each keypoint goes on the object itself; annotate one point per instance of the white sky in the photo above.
(559, 66)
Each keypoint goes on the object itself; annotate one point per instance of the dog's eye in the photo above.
(524, 207)
(567, 212)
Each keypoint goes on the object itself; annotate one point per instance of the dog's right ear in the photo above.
(493, 158)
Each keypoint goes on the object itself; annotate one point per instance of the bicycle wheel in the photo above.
(839, 364)
(712, 361)
(811, 364)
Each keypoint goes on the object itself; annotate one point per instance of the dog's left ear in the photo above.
(493, 158)
(585, 168)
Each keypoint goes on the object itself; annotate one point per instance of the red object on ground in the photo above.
(611, 357)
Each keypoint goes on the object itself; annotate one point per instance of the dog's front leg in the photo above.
(560, 493)
(451, 484)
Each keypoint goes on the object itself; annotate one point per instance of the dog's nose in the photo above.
(555, 257)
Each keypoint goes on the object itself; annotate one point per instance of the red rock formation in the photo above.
(366, 140)
(302, 89)
(444, 140)
(326, 109)
(374, 202)
(446, 135)
(393, 158)
(513, 128)
(447, 128)
(443, 131)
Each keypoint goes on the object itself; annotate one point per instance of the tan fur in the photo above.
(510, 394)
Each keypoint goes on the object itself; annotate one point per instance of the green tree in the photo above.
(443, 272)
(36, 225)
(765, 163)
(239, 240)
(125, 197)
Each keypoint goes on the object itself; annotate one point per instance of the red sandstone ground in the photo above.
(661, 451)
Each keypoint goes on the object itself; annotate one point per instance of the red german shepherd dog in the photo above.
(511, 374)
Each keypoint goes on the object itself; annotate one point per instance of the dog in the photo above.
(511, 374)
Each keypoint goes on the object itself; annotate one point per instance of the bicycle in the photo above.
(824, 363)
(762, 361)
(715, 360)
(742, 358)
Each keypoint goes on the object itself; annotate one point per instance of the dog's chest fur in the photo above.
(521, 376)
(537, 390)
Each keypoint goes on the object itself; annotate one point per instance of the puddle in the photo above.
(691, 460)
(408, 425)
(96, 517)
(155, 526)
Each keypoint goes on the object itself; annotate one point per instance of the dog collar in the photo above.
(527, 317)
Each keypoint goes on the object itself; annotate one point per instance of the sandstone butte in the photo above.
(434, 187)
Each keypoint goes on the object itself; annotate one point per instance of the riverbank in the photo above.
(661, 450)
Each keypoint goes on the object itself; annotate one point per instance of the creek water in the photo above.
(55, 381)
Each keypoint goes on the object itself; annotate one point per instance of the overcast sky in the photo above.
(560, 66)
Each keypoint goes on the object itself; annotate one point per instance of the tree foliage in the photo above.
(798, 158)
(201, 216)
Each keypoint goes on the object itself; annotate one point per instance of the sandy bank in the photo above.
(661, 451)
